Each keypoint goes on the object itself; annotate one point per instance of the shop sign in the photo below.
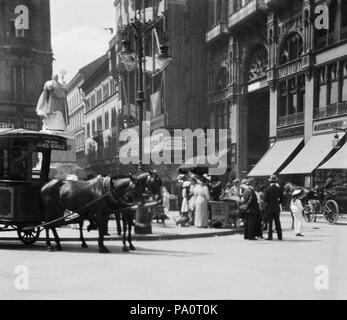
(290, 69)
(51, 144)
(329, 125)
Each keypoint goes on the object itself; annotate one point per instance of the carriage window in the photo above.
(36, 165)
(3, 163)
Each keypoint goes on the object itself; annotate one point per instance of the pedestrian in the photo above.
(253, 228)
(193, 183)
(236, 188)
(166, 203)
(262, 205)
(297, 209)
(201, 201)
(216, 189)
(273, 198)
(184, 216)
(180, 180)
(330, 182)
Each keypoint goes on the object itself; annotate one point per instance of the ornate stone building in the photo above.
(25, 61)
(282, 81)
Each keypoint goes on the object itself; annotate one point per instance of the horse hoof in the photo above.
(132, 248)
(59, 248)
(50, 249)
(125, 249)
(103, 250)
(84, 246)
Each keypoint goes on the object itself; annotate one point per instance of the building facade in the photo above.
(25, 61)
(279, 81)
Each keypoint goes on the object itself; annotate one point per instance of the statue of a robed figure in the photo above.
(52, 106)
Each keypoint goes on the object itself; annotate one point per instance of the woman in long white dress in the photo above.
(201, 200)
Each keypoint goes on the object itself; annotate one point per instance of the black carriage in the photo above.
(331, 203)
(25, 158)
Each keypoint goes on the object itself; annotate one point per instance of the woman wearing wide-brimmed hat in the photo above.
(297, 209)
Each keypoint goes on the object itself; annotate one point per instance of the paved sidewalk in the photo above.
(169, 231)
(159, 232)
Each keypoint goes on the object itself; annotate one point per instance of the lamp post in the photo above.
(129, 59)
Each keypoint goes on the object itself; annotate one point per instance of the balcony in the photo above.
(291, 119)
(333, 110)
(246, 12)
(217, 31)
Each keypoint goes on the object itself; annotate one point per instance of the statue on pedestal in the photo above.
(52, 106)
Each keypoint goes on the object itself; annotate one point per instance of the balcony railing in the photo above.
(217, 31)
(291, 119)
(332, 110)
(246, 12)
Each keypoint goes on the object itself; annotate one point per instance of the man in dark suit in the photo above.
(273, 198)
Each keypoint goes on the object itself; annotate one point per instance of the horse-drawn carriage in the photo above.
(29, 202)
(24, 169)
(330, 203)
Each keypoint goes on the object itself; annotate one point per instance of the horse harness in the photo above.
(113, 198)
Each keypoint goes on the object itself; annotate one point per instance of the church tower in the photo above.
(25, 60)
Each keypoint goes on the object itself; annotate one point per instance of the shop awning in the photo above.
(338, 161)
(312, 155)
(275, 157)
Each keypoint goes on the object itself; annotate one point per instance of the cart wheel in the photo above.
(331, 211)
(307, 213)
(28, 237)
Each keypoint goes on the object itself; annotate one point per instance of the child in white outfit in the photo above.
(297, 209)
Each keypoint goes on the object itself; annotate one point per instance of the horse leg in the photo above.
(124, 220)
(57, 239)
(118, 222)
(48, 242)
(101, 219)
(84, 244)
(130, 224)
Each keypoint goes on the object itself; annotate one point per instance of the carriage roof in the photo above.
(43, 140)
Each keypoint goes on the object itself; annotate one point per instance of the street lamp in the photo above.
(131, 60)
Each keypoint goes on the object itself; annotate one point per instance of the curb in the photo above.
(146, 237)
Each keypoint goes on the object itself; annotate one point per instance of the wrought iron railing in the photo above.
(291, 119)
(332, 110)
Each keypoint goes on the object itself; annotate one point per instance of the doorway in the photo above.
(258, 125)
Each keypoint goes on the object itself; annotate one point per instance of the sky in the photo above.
(78, 36)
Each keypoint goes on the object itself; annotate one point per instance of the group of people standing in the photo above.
(194, 198)
(261, 206)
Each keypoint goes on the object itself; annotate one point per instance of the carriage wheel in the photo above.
(28, 237)
(307, 214)
(331, 211)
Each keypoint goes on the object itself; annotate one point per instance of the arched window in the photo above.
(222, 79)
(258, 63)
(292, 48)
(219, 11)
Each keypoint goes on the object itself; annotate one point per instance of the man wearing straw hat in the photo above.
(273, 198)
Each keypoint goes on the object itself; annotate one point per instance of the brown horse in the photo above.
(93, 198)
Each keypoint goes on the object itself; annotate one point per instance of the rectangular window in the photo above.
(99, 123)
(99, 96)
(283, 92)
(106, 91)
(301, 94)
(107, 121)
(344, 82)
(18, 83)
(93, 128)
(322, 88)
(334, 84)
(92, 101)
